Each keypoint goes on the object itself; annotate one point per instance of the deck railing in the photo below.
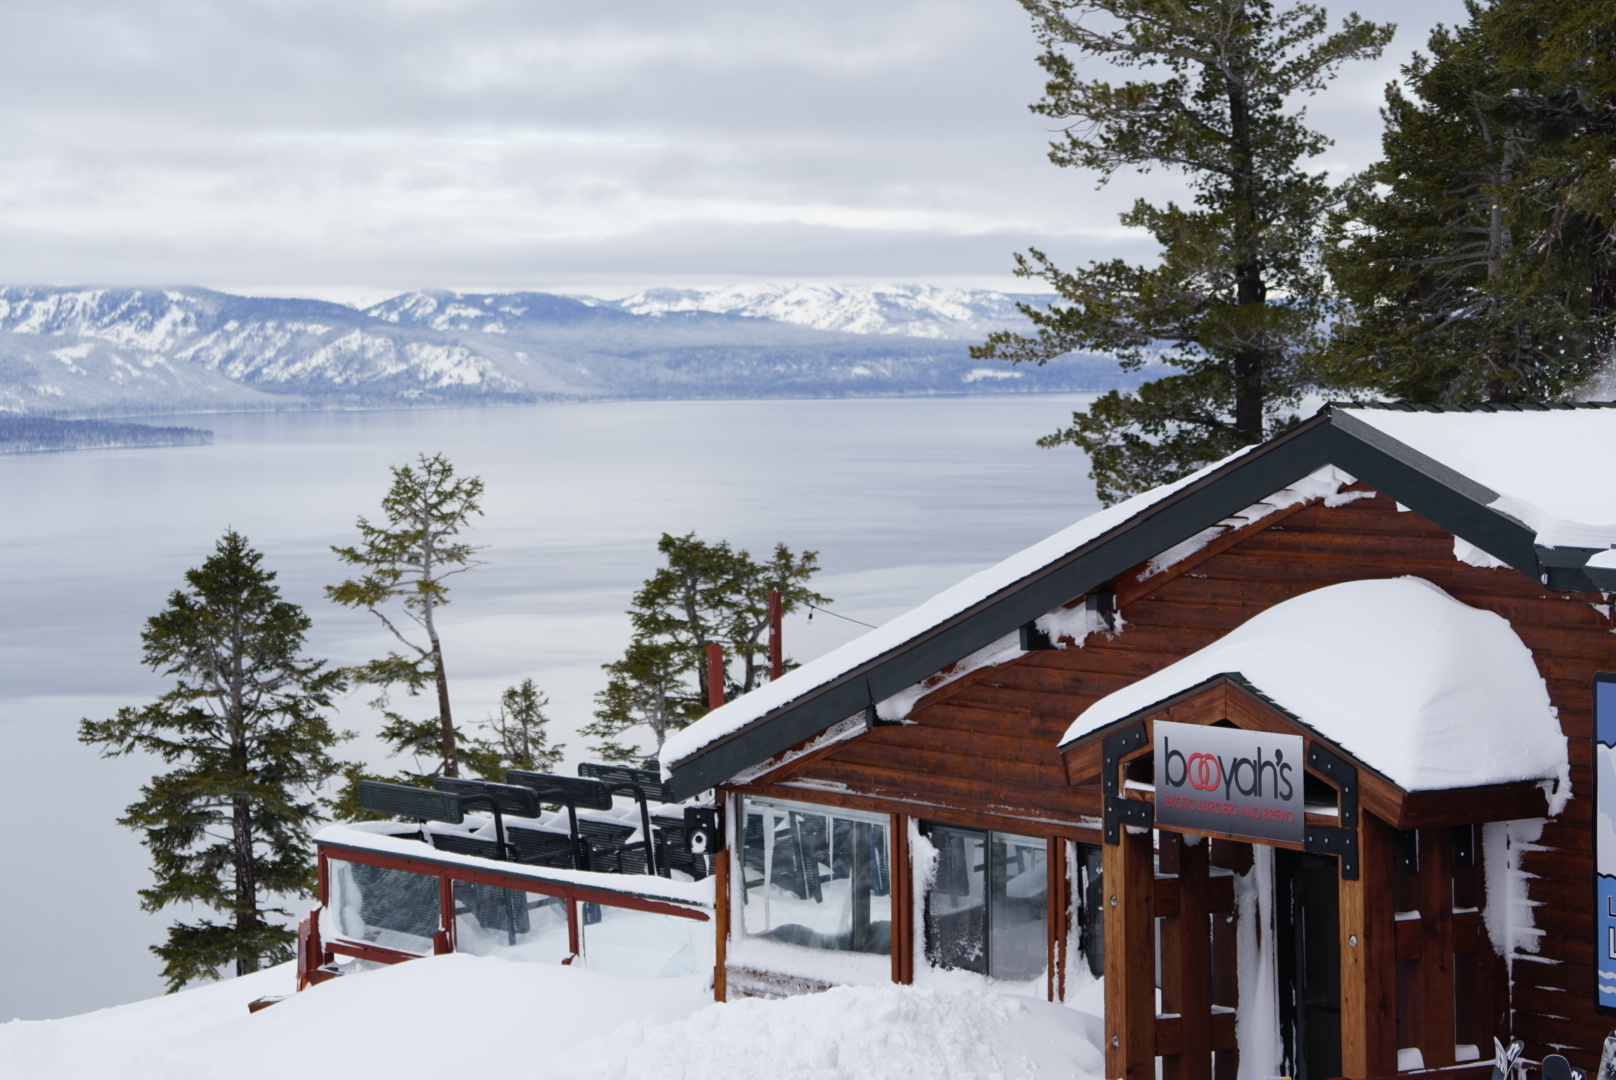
(386, 897)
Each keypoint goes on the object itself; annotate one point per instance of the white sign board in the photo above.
(1229, 780)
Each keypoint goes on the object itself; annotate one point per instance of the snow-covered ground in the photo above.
(466, 1015)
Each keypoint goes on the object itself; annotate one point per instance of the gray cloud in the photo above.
(401, 143)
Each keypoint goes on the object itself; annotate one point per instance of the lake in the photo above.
(900, 497)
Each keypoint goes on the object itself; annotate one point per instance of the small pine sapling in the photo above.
(705, 592)
(515, 737)
(406, 561)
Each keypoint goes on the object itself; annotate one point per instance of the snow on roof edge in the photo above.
(1542, 465)
(1426, 690)
(734, 716)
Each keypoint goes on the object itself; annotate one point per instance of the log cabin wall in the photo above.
(986, 742)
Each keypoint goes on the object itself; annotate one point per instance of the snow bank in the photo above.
(1547, 467)
(732, 717)
(850, 1033)
(1426, 690)
(430, 1018)
(464, 1015)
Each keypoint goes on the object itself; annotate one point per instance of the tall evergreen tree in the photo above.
(515, 737)
(243, 726)
(705, 592)
(407, 561)
(1469, 271)
(1560, 61)
(1237, 295)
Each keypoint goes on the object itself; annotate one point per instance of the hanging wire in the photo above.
(815, 607)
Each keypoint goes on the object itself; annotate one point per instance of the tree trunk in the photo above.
(246, 881)
(451, 752)
(1250, 289)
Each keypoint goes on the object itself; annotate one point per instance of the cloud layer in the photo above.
(545, 143)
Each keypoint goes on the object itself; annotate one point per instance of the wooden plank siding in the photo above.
(989, 741)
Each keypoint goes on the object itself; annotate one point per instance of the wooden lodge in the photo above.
(1283, 769)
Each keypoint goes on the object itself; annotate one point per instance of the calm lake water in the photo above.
(900, 497)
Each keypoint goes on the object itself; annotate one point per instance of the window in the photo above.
(1090, 909)
(816, 876)
(391, 908)
(987, 910)
(490, 921)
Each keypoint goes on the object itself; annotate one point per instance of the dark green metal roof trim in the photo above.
(1445, 497)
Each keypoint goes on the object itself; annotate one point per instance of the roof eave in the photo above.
(1442, 495)
(1181, 515)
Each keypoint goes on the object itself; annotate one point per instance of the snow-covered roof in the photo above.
(1429, 692)
(1521, 486)
(736, 714)
(1547, 468)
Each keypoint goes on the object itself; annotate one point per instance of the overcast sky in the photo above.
(357, 148)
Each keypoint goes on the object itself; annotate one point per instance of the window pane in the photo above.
(391, 908)
(817, 877)
(1018, 944)
(1092, 918)
(620, 941)
(516, 925)
(956, 906)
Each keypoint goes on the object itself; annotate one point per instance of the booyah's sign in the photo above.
(1229, 780)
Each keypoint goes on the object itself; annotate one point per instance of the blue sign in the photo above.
(1605, 842)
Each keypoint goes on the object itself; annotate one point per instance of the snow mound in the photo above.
(848, 1033)
(1430, 692)
(429, 1018)
(464, 1015)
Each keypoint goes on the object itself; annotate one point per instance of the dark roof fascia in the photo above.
(1599, 579)
(1441, 495)
(1176, 518)
(1459, 504)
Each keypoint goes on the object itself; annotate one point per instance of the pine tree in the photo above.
(1237, 295)
(649, 687)
(243, 727)
(407, 561)
(517, 736)
(706, 592)
(1466, 276)
(1559, 59)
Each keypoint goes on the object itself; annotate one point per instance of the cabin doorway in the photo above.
(1307, 931)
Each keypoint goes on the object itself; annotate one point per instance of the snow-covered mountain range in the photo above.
(92, 351)
(923, 311)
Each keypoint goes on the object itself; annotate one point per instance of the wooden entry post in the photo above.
(1129, 875)
(1186, 959)
(1369, 958)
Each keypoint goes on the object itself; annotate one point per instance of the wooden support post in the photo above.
(1369, 958)
(1058, 910)
(777, 656)
(575, 944)
(1433, 995)
(903, 904)
(443, 942)
(715, 674)
(1129, 875)
(721, 925)
(1191, 961)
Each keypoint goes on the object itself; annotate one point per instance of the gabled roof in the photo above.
(1438, 462)
(1428, 692)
